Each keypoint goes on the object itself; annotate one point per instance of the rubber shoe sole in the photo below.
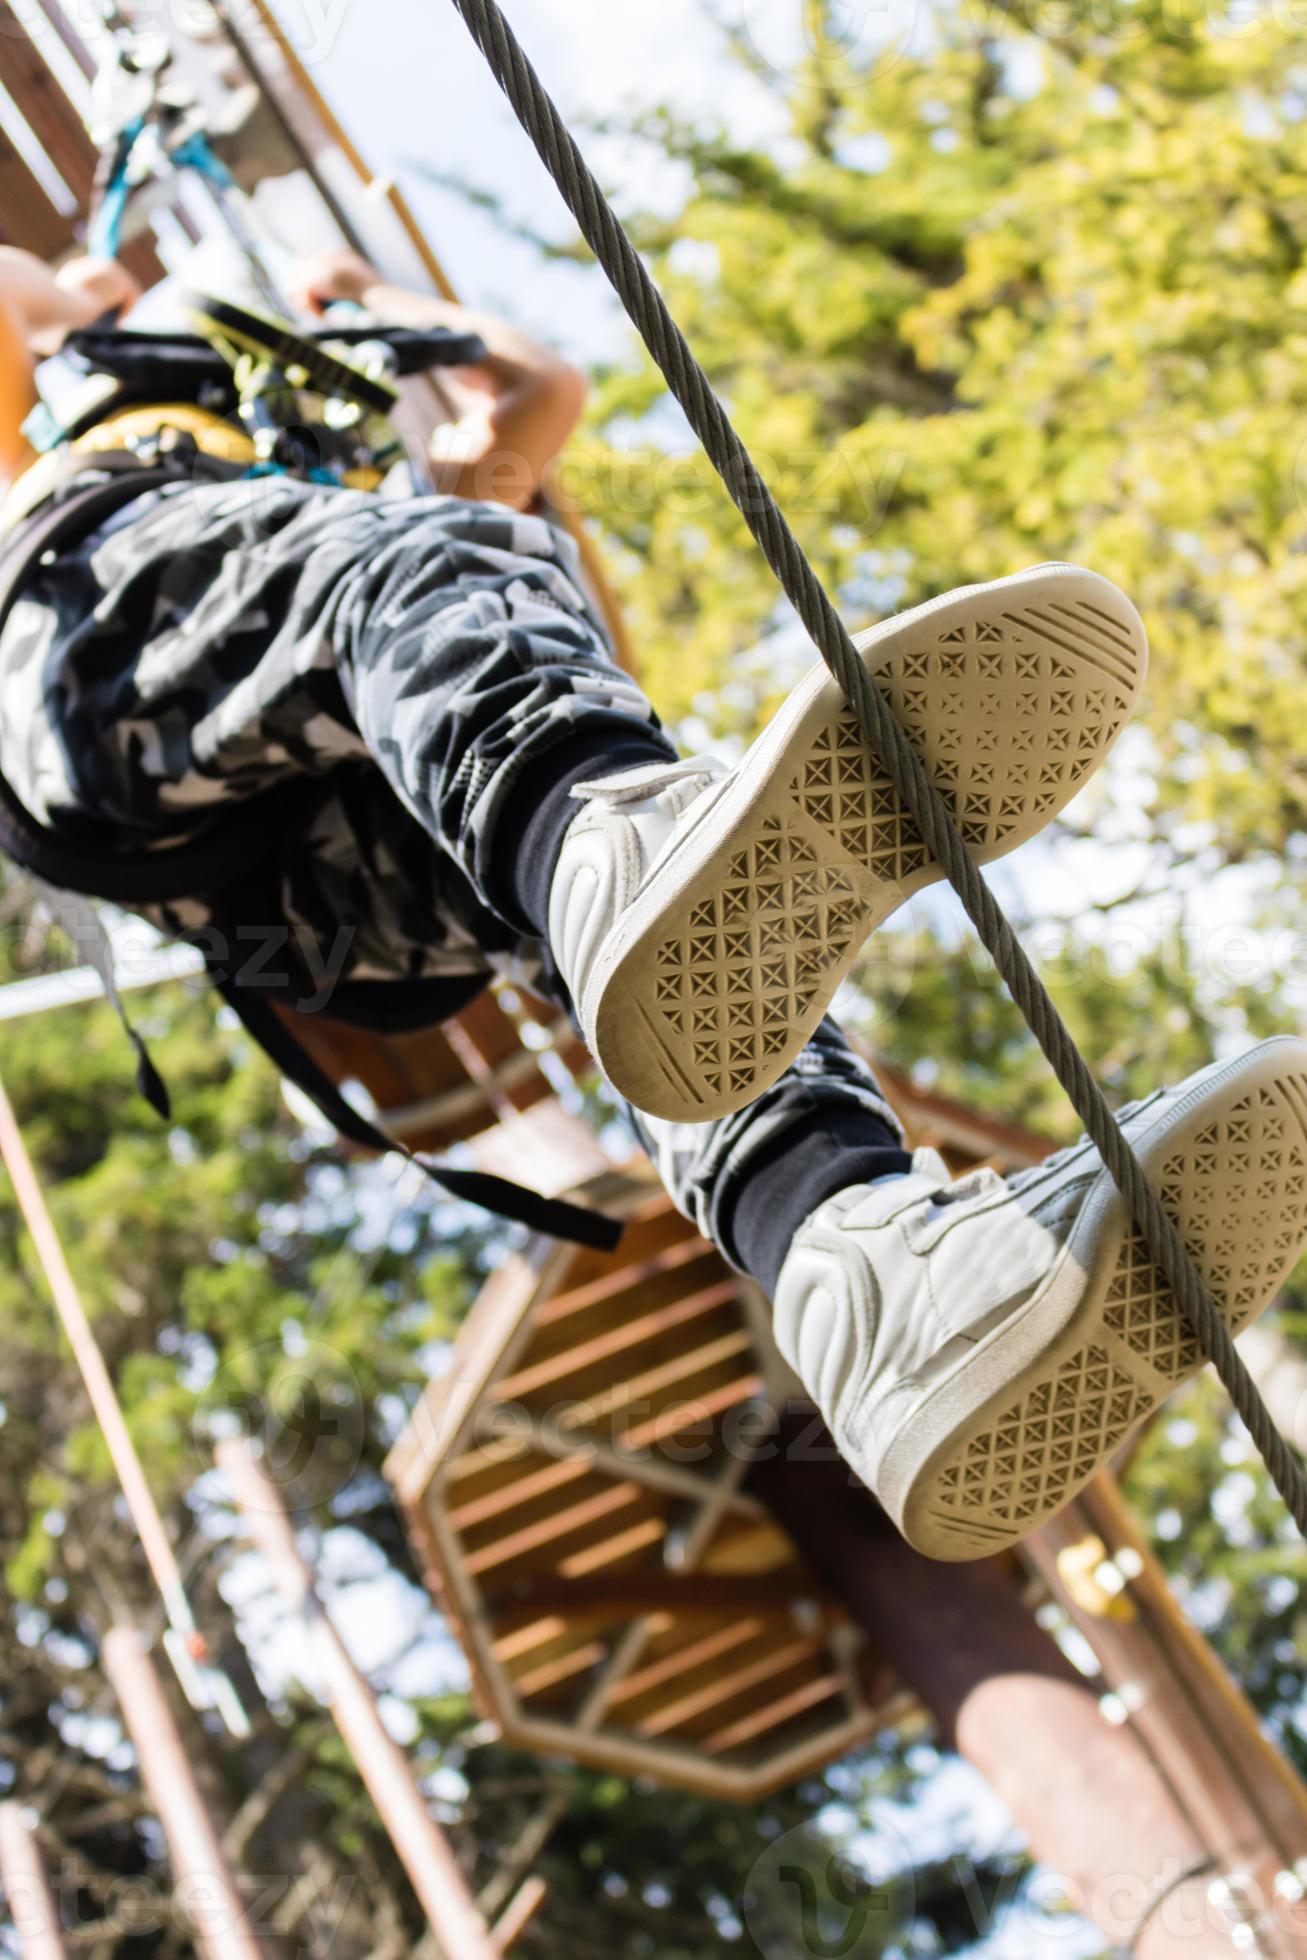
(717, 976)
(1042, 1404)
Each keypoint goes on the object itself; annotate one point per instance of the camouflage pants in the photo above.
(408, 660)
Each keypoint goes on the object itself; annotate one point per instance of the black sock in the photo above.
(806, 1164)
(536, 818)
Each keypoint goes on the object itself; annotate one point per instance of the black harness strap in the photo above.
(552, 1215)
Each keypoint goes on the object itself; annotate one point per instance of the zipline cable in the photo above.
(650, 314)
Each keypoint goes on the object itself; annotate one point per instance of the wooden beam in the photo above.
(145, 1514)
(27, 217)
(29, 1897)
(576, 1445)
(606, 1347)
(518, 1914)
(698, 1594)
(206, 1887)
(422, 1847)
(725, 1687)
(47, 111)
(1088, 1793)
(800, 1700)
(548, 1530)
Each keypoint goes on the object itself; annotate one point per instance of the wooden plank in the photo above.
(705, 1683)
(577, 1363)
(722, 1689)
(553, 1674)
(47, 111)
(685, 1410)
(777, 1713)
(528, 1639)
(546, 1480)
(546, 1531)
(666, 1284)
(685, 1659)
(27, 216)
(673, 1253)
(637, 1538)
(664, 1387)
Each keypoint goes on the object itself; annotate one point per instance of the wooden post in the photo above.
(33, 1908)
(422, 1846)
(150, 1528)
(1242, 1799)
(204, 1882)
(1090, 1795)
(521, 1910)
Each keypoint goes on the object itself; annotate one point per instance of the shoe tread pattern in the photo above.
(1238, 1192)
(1012, 711)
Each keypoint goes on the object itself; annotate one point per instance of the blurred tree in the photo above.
(1032, 287)
(237, 1273)
(1024, 283)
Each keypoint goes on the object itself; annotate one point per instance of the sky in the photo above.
(437, 107)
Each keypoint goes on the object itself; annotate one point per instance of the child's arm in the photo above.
(513, 413)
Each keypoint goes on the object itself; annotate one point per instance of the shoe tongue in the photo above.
(652, 799)
(675, 781)
(928, 1163)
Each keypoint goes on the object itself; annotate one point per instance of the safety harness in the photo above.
(228, 859)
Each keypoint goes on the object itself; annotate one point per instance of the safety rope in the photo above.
(607, 238)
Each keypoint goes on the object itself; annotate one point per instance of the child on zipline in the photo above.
(467, 785)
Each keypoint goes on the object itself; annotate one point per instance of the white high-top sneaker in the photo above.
(704, 918)
(979, 1348)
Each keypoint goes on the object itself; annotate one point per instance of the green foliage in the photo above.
(231, 1276)
(1032, 289)
(1026, 294)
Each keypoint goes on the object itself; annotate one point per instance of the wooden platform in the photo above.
(574, 1485)
(574, 1490)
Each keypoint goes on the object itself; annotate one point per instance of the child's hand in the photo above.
(99, 286)
(323, 278)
